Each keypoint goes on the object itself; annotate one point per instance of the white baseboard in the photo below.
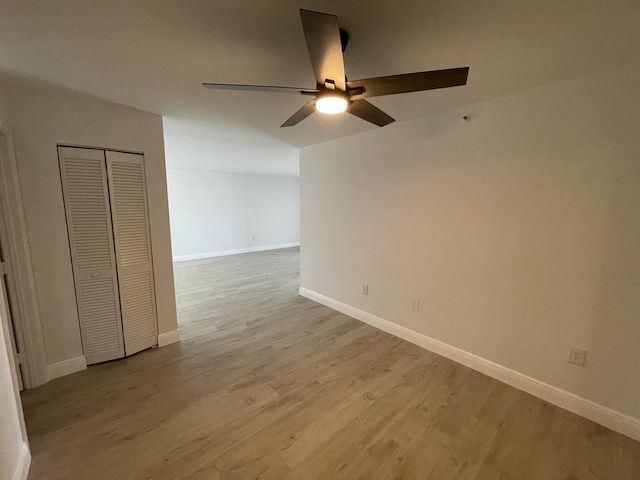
(168, 338)
(595, 412)
(21, 471)
(66, 367)
(224, 253)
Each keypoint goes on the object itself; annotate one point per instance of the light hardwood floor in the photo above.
(266, 384)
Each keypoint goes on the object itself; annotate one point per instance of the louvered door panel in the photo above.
(96, 298)
(133, 249)
(86, 198)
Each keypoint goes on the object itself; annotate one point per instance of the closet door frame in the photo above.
(104, 150)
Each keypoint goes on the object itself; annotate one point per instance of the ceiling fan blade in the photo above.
(369, 112)
(259, 88)
(322, 33)
(408, 82)
(301, 114)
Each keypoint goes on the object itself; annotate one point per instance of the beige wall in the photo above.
(14, 451)
(42, 117)
(518, 231)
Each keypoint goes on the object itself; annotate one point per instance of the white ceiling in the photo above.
(154, 54)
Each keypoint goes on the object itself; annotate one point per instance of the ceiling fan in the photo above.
(333, 94)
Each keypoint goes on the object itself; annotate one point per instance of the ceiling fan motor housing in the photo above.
(344, 39)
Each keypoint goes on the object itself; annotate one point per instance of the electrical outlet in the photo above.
(365, 289)
(415, 304)
(576, 356)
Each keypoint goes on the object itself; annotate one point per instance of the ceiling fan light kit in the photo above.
(332, 103)
(334, 93)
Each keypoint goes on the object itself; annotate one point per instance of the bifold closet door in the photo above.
(133, 249)
(86, 199)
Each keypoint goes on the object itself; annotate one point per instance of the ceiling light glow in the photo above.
(331, 104)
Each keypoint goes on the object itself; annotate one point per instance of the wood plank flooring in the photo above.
(266, 384)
